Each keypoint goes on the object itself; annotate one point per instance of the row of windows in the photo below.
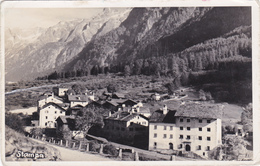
(143, 123)
(199, 137)
(181, 128)
(164, 127)
(200, 129)
(164, 136)
(130, 129)
(200, 120)
(46, 117)
(181, 137)
(181, 146)
(54, 112)
(54, 124)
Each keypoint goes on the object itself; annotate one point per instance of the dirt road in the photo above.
(74, 155)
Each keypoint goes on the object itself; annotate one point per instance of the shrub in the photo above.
(37, 132)
(15, 122)
(110, 149)
(94, 146)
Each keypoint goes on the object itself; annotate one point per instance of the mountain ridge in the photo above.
(138, 33)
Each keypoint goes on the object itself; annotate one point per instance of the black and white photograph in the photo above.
(128, 83)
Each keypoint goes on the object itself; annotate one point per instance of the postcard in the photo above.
(130, 82)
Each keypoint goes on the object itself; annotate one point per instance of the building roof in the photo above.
(54, 104)
(115, 102)
(79, 98)
(159, 117)
(119, 95)
(124, 116)
(45, 96)
(64, 119)
(130, 100)
(200, 110)
(63, 104)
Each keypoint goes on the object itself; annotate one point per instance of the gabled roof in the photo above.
(119, 95)
(115, 102)
(130, 100)
(47, 96)
(79, 98)
(159, 117)
(124, 116)
(54, 104)
(64, 119)
(201, 110)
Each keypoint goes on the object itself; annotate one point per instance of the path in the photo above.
(74, 155)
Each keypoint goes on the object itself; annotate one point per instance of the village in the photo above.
(177, 126)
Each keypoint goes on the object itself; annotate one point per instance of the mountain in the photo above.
(41, 51)
(153, 32)
(120, 35)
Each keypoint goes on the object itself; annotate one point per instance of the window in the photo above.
(199, 147)
(208, 138)
(181, 120)
(208, 121)
(200, 120)
(180, 146)
(188, 137)
(155, 135)
(200, 128)
(61, 112)
(171, 127)
(208, 129)
(143, 123)
(181, 136)
(46, 117)
(55, 124)
(165, 127)
(181, 128)
(188, 120)
(46, 124)
(188, 128)
(154, 145)
(200, 137)
(171, 136)
(208, 148)
(155, 127)
(55, 112)
(164, 135)
(131, 123)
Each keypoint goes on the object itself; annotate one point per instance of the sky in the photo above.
(44, 17)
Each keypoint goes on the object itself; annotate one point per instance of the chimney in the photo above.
(165, 110)
(109, 114)
(52, 94)
(117, 116)
(138, 109)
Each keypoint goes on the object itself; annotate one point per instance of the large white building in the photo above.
(48, 115)
(193, 127)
